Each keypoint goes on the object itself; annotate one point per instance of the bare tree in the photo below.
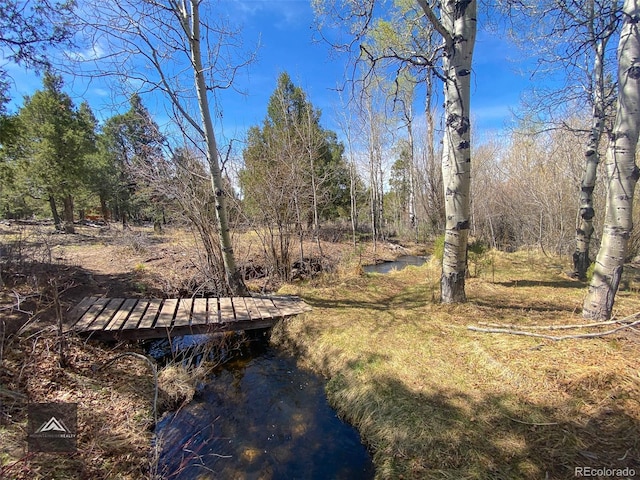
(428, 166)
(600, 27)
(152, 44)
(345, 116)
(571, 39)
(457, 26)
(408, 39)
(375, 144)
(622, 171)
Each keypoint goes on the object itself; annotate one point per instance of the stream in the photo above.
(260, 417)
(398, 264)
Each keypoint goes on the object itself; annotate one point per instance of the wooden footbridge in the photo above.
(134, 319)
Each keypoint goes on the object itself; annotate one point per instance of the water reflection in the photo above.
(398, 264)
(261, 418)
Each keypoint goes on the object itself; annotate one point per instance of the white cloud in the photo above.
(94, 52)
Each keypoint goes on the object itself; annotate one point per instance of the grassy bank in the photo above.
(115, 413)
(434, 400)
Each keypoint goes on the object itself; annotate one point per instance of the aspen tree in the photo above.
(457, 25)
(622, 171)
(157, 45)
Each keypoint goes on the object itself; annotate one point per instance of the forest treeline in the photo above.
(295, 177)
(397, 166)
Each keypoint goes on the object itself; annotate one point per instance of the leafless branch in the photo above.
(564, 337)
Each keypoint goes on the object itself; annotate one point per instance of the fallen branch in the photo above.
(16, 307)
(558, 327)
(551, 337)
(532, 423)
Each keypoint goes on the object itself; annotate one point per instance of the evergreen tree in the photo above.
(55, 139)
(298, 166)
(130, 149)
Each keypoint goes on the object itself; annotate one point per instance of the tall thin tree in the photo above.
(457, 26)
(409, 38)
(622, 171)
(153, 44)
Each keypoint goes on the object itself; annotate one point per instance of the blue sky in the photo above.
(288, 42)
(283, 33)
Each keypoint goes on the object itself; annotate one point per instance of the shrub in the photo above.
(438, 247)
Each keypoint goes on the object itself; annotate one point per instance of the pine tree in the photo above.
(56, 139)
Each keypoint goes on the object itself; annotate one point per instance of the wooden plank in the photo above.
(290, 306)
(267, 308)
(107, 314)
(183, 313)
(258, 304)
(214, 311)
(199, 316)
(240, 307)
(150, 315)
(90, 315)
(226, 310)
(166, 313)
(74, 315)
(252, 308)
(285, 307)
(136, 315)
(121, 315)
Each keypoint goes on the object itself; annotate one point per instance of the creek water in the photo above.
(398, 264)
(260, 417)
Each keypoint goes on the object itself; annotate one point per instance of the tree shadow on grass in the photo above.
(574, 284)
(440, 434)
(408, 297)
(541, 307)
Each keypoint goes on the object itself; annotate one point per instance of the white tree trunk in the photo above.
(233, 277)
(413, 221)
(622, 172)
(458, 19)
(584, 227)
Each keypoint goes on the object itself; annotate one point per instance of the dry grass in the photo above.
(114, 410)
(434, 400)
(430, 398)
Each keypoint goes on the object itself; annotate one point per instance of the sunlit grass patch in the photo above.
(434, 400)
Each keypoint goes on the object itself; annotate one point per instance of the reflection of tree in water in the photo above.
(262, 417)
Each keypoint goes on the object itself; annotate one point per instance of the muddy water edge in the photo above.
(259, 416)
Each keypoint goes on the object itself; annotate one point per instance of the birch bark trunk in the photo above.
(234, 278)
(622, 171)
(459, 20)
(584, 227)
